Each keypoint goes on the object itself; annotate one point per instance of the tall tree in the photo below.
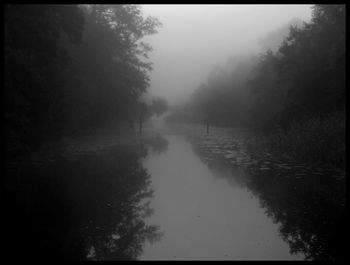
(112, 64)
(33, 60)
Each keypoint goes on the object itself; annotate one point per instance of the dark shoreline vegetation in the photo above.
(292, 96)
(73, 73)
(315, 141)
(74, 69)
(76, 80)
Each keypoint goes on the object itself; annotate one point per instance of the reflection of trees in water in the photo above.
(92, 207)
(158, 144)
(220, 166)
(310, 212)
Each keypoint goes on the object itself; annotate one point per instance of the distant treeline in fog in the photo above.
(302, 79)
(70, 68)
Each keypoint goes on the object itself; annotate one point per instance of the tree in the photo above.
(54, 87)
(34, 59)
(111, 64)
(267, 92)
(313, 63)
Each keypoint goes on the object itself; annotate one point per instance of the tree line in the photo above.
(302, 79)
(71, 68)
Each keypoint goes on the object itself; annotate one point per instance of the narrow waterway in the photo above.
(204, 216)
(175, 194)
(214, 199)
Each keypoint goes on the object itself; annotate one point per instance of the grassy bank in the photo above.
(316, 140)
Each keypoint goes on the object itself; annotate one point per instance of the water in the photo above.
(203, 215)
(215, 200)
(174, 194)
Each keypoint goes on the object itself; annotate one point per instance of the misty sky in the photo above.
(193, 38)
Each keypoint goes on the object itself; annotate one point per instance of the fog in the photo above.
(174, 132)
(193, 38)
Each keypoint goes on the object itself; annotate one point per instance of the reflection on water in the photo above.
(214, 200)
(91, 206)
(157, 144)
(187, 195)
(202, 217)
(306, 202)
(310, 212)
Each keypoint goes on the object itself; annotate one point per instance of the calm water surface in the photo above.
(214, 199)
(174, 193)
(205, 216)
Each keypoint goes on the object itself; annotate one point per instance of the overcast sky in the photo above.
(193, 38)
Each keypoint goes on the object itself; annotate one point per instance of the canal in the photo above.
(174, 194)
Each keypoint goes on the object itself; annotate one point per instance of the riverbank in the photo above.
(91, 141)
(316, 141)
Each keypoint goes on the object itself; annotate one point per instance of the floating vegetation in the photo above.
(220, 147)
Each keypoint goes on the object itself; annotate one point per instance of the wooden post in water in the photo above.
(207, 127)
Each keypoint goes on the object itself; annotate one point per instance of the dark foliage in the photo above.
(304, 78)
(70, 68)
(283, 92)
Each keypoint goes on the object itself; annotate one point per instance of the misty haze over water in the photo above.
(194, 38)
(174, 132)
